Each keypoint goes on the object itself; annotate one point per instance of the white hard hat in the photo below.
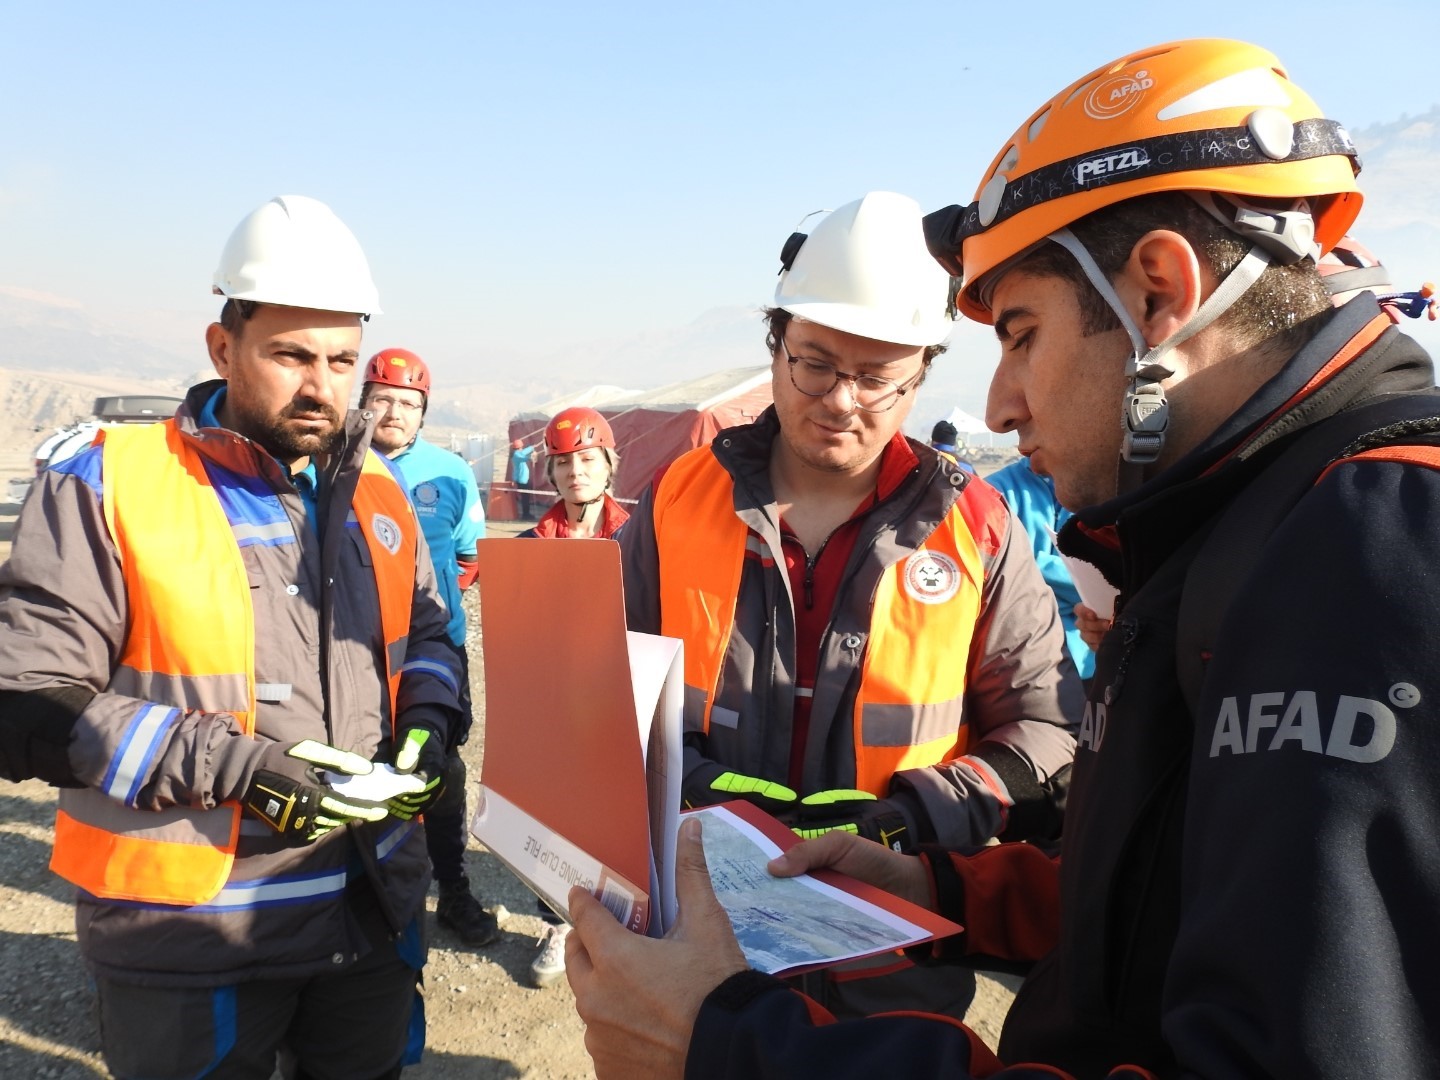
(865, 270)
(294, 251)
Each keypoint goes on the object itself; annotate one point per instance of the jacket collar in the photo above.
(744, 450)
(556, 523)
(238, 454)
(1357, 354)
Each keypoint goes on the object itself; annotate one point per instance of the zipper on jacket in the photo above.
(1129, 635)
(807, 583)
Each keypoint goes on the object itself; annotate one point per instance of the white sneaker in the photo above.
(549, 962)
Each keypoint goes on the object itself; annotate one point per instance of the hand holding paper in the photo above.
(639, 996)
(901, 875)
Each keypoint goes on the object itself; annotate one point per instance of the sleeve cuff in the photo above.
(949, 901)
(740, 989)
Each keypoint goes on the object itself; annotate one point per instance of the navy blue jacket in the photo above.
(1250, 890)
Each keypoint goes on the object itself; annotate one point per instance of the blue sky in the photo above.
(526, 177)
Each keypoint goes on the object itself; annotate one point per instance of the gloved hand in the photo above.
(422, 753)
(852, 811)
(288, 794)
(771, 797)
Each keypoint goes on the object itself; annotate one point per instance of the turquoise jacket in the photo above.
(447, 502)
(1033, 500)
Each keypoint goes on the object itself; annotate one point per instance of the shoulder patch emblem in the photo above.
(931, 577)
(387, 532)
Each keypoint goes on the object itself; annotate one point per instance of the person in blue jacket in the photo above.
(1032, 497)
(520, 456)
(447, 504)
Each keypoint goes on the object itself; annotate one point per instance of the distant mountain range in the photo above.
(63, 349)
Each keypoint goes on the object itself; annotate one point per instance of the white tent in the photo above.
(966, 424)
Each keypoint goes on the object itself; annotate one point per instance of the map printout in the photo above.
(788, 924)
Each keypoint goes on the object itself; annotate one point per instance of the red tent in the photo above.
(654, 427)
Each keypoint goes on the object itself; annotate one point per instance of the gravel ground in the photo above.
(484, 1021)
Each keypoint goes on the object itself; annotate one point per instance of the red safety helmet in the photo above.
(517, 444)
(398, 367)
(1350, 267)
(577, 428)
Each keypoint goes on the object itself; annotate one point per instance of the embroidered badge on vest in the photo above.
(931, 577)
(387, 532)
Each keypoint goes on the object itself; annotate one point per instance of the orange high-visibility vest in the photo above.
(909, 709)
(190, 644)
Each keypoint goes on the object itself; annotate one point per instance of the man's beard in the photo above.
(288, 442)
(387, 442)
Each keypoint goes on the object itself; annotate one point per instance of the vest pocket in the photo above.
(361, 547)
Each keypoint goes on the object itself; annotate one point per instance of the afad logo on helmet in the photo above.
(1117, 95)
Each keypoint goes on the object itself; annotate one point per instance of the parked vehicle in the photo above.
(108, 412)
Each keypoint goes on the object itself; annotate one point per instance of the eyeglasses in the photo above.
(382, 402)
(870, 393)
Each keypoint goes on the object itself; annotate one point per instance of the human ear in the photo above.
(1162, 283)
(218, 344)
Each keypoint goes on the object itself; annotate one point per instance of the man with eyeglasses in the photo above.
(869, 645)
(447, 504)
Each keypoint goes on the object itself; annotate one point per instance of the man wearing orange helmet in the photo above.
(1247, 884)
(581, 462)
(447, 504)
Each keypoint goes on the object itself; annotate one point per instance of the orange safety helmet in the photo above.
(398, 367)
(577, 428)
(1202, 115)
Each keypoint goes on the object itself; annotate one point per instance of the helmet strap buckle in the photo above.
(1288, 235)
(1147, 415)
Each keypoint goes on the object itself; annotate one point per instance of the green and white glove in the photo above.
(422, 754)
(289, 795)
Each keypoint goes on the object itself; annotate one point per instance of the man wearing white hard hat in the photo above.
(869, 645)
(226, 645)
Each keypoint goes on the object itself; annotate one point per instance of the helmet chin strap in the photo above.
(1145, 413)
(585, 506)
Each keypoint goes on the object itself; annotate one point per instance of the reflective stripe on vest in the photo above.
(909, 708)
(387, 521)
(284, 889)
(178, 538)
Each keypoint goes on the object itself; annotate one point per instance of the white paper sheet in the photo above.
(1095, 592)
(657, 675)
(788, 923)
(381, 783)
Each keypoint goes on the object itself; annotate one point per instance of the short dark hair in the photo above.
(778, 319)
(1278, 308)
(236, 313)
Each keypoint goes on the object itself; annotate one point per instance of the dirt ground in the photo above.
(484, 1021)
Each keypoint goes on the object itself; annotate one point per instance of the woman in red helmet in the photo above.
(580, 461)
